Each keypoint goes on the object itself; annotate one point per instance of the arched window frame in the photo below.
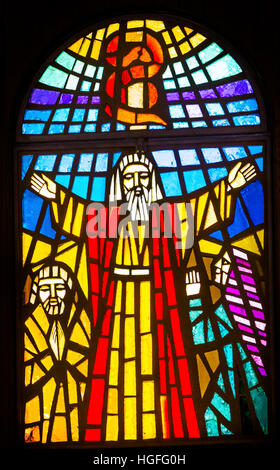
(150, 140)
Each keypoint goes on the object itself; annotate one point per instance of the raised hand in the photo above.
(192, 282)
(43, 186)
(240, 175)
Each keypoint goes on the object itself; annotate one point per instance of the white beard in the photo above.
(138, 204)
(57, 309)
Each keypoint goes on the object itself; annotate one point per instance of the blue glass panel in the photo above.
(260, 404)
(66, 162)
(234, 153)
(54, 77)
(224, 67)
(85, 85)
(255, 149)
(90, 128)
(199, 124)
(101, 162)
(211, 423)
(216, 174)
(31, 208)
(194, 314)
(198, 333)
(106, 127)
(254, 200)
(78, 115)
(66, 60)
(92, 115)
(189, 157)
(90, 71)
(194, 180)
(220, 382)
(209, 52)
(169, 84)
(120, 127)
(156, 126)
(214, 109)
(220, 311)
(242, 105)
(85, 162)
(100, 73)
(180, 125)
(192, 62)
(79, 65)
(247, 120)
(56, 129)
(250, 374)
(45, 162)
(165, 158)
(116, 156)
(183, 82)
(220, 122)
(218, 235)
(259, 162)
(199, 77)
(240, 222)
(176, 111)
(75, 129)
(222, 329)
(178, 68)
(80, 186)
(229, 354)
(171, 184)
(32, 128)
(46, 227)
(36, 115)
(211, 155)
(64, 180)
(221, 405)
(167, 73)
(98, 188)
(210, 334)
(195, 303)
(61, 114)
(25, 164)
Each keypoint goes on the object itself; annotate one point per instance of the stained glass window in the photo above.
(142, 166)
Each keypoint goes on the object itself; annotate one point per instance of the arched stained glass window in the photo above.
(142, 156)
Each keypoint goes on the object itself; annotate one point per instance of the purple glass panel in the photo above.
(188, 95)
(66, 98)
(252, 348)
(248, 279)
(172, 96)
(82, 99)
(207, 94)
(95, 100)
(262, 371)
(236, 309)
(231, 290)
(39, 96)
(242, 87)
(258, 314)
(245, 328)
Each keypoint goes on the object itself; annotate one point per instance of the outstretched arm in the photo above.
(67, 212)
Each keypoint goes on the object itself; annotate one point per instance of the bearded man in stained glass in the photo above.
(57, 337)
(143, 384)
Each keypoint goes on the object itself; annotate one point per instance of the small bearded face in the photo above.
(51, 293)
(136, 186)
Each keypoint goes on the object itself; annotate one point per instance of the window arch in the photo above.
(142, 152)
